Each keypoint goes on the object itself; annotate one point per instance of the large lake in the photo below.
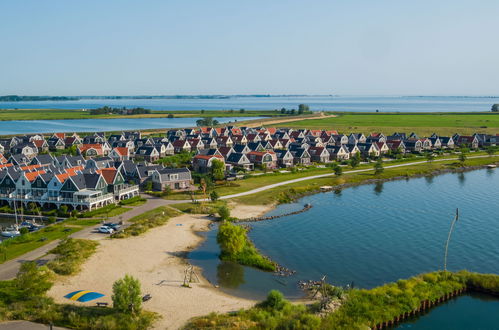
(95, 125)
(370, 235)
(332, 103)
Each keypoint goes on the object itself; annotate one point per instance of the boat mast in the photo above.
(448, 239)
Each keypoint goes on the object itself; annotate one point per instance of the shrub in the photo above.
(224, 212)
(127, 296)
(275, 300)
(71, 254)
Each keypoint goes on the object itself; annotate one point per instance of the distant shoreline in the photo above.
(45, 98)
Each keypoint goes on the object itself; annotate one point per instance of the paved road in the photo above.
(10, 268)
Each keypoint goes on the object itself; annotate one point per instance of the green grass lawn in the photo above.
(426, 124)
(18, 246)
(106, 211)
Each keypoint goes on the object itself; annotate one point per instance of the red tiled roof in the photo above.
(122, 151)
(31, 176)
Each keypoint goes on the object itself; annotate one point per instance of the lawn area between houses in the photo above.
(17, 246)
(444, 124)
(134, 201)
(107, 211)
(358, 308)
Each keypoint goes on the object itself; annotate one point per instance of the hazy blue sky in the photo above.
(103, 47)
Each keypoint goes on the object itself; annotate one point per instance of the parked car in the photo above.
(106, 230)
(115, 226)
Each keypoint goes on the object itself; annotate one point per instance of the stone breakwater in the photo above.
(305, 208)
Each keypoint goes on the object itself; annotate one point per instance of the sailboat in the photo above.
(13, 230)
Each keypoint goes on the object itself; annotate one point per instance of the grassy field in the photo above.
(50, 114)
(18, 246)
(423, 123)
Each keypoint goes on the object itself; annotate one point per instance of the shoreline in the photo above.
(158, 260)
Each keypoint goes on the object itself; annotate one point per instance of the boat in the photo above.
(491, 166)
(11, 231)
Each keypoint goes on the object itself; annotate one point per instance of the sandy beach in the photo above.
(155, 258)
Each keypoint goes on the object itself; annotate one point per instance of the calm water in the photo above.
(476, 311)
(332, 103)
(371, 235)
(94, 125)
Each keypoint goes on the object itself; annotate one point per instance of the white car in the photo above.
(106, 230)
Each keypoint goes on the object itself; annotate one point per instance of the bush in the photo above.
(143, 222)
(224, 212)
(236, 246)
(127, 296)
(134, 201)
(71, 254)
(275, 300)
(214, 196)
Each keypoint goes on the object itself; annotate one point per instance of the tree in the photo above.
(207, 121)
(430, 156)
(495, 107)
(63, 210)
(491, 150)
(283, 111)
(148, 185)
(338, 170)
(231, 238)
(218, 169)
(171, 115)
(303, 108)
(32, 280)
(224, 212)
(378, 167)
(462, 157)
(242, 111)
(355, 160)
(23, 230)
(214, 196)
(127, 296)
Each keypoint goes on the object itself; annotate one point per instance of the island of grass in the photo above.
(235, 246)
(355, 308)
(53, 114)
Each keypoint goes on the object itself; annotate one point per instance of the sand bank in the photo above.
(155, 258)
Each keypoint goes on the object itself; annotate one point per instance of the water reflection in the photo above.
(429, 179)
(461, 178)
(378, 188)
(337, 192)
(230, 275)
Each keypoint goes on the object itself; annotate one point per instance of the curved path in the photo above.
(10, 268)
(270, 186)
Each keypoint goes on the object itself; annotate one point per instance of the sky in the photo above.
(350, 47)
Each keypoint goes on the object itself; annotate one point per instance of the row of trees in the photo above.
(302, 108)
(105, 110)
(207, 121)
